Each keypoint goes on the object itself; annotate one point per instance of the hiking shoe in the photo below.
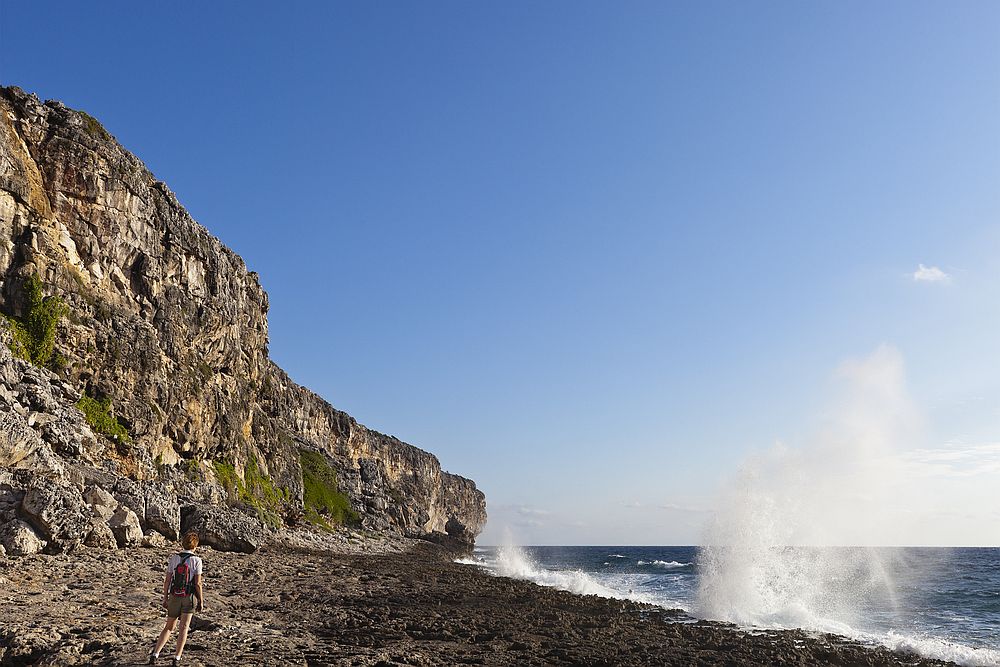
(152, 659)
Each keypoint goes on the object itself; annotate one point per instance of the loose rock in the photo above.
(126, 528)
(20, 539)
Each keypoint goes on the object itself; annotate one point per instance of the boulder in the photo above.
(19, 539)
(11, 492)
(131, 495)
(163, 513)
(153, 540)
(126, 527)
(101, 536)
(57, 511)
(223, 528)
(101, 502)
(459, 531)
(18, 441)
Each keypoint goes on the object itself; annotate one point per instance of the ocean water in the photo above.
(940, 603)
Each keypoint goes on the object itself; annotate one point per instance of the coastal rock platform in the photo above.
(408, 605)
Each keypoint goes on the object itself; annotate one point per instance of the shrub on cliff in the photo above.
(98, 413)
(34, 335)
(255, 490)
(93, 127)
(323, 503)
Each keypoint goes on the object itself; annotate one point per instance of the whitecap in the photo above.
(940, 649)
(669, 565)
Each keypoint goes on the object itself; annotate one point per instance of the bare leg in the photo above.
(164, 635)
(182, 635)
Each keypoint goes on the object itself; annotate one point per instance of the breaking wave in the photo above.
(513, 562)
(667, 565)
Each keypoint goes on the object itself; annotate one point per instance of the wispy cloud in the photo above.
(525, 510)
(522, 510)
(674, 507)
(930, 274)
(956, 461)
(522, 516)
(670, 507)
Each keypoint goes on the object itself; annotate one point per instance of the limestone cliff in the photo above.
(169, 324)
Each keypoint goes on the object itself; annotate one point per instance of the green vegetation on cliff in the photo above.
(34, 335)
(254, 489)
(93, 127)
(98, 414)
(325, 506)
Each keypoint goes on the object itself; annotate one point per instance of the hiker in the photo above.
(181, 585)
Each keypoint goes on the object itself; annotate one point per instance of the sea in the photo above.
(939, 603)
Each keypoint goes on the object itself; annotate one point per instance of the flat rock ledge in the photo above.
(291, 605)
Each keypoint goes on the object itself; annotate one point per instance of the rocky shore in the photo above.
(400, 602)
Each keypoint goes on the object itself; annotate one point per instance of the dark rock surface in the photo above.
(223, 529)
(57, 511)
(288, 607)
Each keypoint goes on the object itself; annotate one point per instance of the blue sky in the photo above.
(592, 255)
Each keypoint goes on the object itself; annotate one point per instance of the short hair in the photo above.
(190, 540)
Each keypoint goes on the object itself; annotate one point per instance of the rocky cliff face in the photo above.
(169, 324)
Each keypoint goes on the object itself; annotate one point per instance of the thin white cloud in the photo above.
(674, 507)
(956, 461)
(670, 507)
(525, 510)
(521, 510)
(930, 274)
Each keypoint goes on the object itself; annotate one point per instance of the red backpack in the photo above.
(180, 585)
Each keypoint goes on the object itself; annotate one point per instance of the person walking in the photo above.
(181, 588)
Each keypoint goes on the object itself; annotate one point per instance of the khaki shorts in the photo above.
(180, 604)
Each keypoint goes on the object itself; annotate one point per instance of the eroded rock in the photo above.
(131, 495)
(126, 528)
(57, 511)
(153, 540)
(101, 536)
(163, 512)
(20, 539)
(101, 502)
(223, 528)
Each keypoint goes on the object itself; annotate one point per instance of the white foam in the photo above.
(513, 562)
(668, 565)
(940, 649)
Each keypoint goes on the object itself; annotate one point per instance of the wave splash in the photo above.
(839, 489)
(513, 562)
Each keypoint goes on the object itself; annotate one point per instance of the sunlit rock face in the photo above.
(168, 322)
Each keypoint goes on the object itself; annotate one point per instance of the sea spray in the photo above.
(774, 553)
(514, 562)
